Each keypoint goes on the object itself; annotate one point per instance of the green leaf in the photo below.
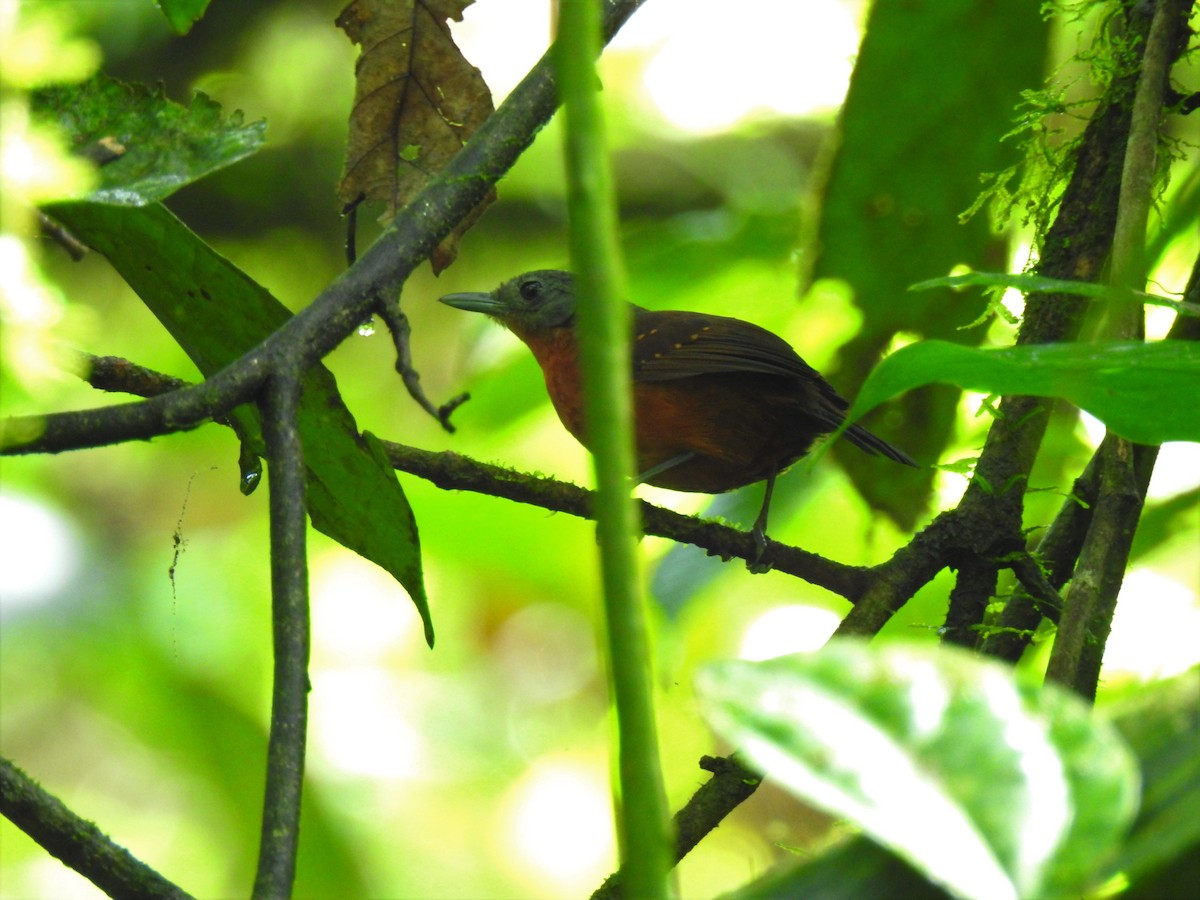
(990, 787)
(1028, 283)
(147, 146)
(217, 313)
(1141, 391)
(183, 14)
(857, 869)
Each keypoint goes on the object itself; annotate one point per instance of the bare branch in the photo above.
(731, 784)
(451, 471)
(290, 629)
(77, 842)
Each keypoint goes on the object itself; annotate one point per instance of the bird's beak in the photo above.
(484, 303)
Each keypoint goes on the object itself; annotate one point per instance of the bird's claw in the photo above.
(755, 565)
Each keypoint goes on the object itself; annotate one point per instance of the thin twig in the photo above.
(77, 842)
(112, 373)
(74, 247)
(119, 375)
(401, 331)
(1039, 587)
(290, 629)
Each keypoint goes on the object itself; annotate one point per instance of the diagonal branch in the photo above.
(342, 307)
(894, 582)
(77, 842)
(452, 471)
(179, 410)
(731, 784)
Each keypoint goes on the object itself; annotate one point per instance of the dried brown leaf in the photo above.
(417, 100)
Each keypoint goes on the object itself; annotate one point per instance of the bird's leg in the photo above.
(759, 531)
(686, 456)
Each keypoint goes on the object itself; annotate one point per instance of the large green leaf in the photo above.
(990, 787)
(934, 87)
(148, 146)
(217, 313)
(1141, 391)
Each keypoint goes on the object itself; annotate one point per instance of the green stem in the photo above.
(1141, 159)
(604, 329)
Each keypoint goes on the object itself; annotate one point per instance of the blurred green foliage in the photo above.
(135, 686)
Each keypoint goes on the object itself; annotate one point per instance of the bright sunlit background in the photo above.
(133, 589)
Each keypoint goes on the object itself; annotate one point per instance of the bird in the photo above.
(719, 403)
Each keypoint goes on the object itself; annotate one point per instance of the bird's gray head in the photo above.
(528, 303)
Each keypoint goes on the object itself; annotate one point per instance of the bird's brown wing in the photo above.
(673, 345)
(670, 345)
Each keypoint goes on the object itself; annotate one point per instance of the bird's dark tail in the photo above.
(864, 440)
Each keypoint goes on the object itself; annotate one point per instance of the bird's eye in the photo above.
(531, 290)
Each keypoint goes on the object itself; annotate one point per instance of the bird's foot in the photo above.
(755, 565)
(759, 531)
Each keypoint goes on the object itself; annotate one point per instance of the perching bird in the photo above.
(718, 403)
